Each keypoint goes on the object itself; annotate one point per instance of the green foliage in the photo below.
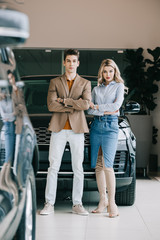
(140, 77)
(154, 135)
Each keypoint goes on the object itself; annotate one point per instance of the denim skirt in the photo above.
(104, 133)
(9, 141)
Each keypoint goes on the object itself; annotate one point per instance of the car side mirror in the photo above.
(131, 107)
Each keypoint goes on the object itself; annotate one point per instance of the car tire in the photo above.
(5, 206)
(127, 197)
(27, 227)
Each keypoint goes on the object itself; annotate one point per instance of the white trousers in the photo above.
(56, 150)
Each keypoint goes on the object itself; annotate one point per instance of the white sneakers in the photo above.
(77, 209)
(48, 209)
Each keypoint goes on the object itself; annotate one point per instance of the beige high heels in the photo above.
(113, 211)
(101, 207)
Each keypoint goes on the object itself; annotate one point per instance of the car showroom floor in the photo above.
(138, 222)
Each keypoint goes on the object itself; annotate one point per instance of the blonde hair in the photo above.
(111, 63)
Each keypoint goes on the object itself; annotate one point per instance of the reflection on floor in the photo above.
(138, 222)
(155, 175)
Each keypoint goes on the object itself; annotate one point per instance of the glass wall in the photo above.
(38, 61)
(50, 61)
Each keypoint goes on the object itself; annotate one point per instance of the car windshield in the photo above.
(36, 96)
(36, 90)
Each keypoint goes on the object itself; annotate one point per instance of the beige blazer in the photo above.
(77, 100)
(19, 109)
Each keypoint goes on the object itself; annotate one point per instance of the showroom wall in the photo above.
(93, 23)
(96, 24)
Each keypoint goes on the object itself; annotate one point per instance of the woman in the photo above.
(107, 98)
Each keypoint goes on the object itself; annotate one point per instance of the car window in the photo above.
(36, 96)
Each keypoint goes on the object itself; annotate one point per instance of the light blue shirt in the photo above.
(6, 110)
(109, 98)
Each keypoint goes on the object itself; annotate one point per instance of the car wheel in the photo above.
(6, 204)
(27, 227)
(127, 197)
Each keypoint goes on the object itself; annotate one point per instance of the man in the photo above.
(68, 96)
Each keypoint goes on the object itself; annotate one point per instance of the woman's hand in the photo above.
(95, 107)
(110, 113)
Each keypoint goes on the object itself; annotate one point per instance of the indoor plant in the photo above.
(140, 77)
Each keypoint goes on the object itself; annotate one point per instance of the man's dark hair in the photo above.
(71, 52)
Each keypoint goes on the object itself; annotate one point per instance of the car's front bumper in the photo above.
(65, 181)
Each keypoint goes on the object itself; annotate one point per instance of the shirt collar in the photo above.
(72, 79)
(111, 83)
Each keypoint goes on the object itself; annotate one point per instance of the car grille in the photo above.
(120, 161)
(43, 136)
(2, 156)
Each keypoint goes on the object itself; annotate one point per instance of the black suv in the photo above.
(18, 144)
(36, 89)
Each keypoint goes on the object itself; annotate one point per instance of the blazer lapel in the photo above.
(74, 85)
(64, 82)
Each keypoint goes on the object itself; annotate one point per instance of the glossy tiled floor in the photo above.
(138, 222)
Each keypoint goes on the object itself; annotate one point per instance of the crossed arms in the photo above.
(68, 105)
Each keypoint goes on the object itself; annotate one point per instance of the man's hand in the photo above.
(91, 105)
(61, 100)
